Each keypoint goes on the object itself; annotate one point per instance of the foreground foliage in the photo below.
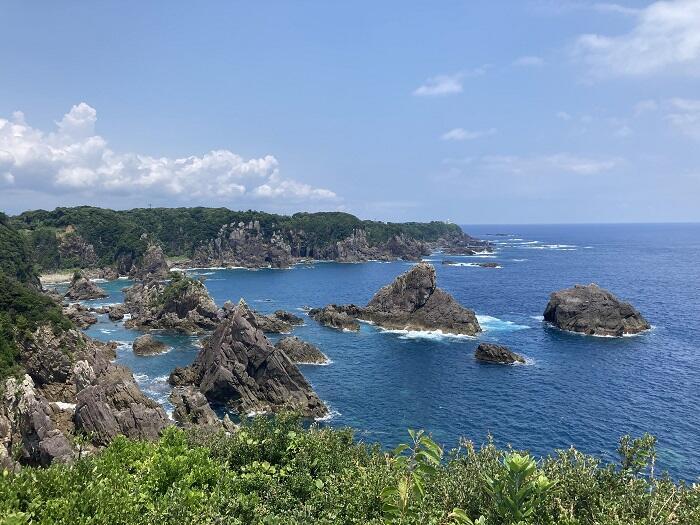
(274, 471)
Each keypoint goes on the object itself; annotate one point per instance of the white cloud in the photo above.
(563, 115)
(73, 159)
(441, 85)
(665, 37)
(529, 61)
(605, 7)
(458, 134)
(684, 115)
(557, 163)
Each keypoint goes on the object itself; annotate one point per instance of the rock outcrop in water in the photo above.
(80, 315)
(148, 345)
(412, 302)
(592, 310)
(183, 305)
(301, 352)
(340, 317)
(492, 353)
(153, 265)
(238, 367)
(82, 288)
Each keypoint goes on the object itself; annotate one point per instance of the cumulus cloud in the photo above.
(73, 159)
(458, 134)
(664, 37)
(563, 163)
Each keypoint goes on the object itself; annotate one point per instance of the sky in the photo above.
(527, 111)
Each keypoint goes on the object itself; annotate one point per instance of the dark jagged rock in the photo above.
(148, 345)
(80, 315)
(153, 265)
(81, 289)
(191, 408)
(592, 310)
(240, 368)
(183, 305)
(117, 312)
(337, 316)
(492, 353)
(271, 324)
(459, 243)
(356, 248)
(450, 262)
(288, 317)
(301, 352)
(412, 302)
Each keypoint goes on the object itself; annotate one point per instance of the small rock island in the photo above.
(411, 302)
(592, 310)
(493, 353)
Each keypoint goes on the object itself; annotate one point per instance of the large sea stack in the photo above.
(81, 288)
(411, 302)
(592, 310)
(238, 367)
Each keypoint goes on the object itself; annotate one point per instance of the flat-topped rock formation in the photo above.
(412, 302)
(301, 352)
(238, 367)
(592, 310)
(81, 288)
(184, 305)
(148, 345)
(493, 353)
(340, 317)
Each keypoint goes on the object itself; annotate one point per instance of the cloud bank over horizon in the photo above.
(74, 160)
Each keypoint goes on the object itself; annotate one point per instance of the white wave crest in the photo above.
(494, 324)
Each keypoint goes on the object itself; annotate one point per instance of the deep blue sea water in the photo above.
(575, 390)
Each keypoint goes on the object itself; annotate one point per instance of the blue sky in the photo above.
(476, 112)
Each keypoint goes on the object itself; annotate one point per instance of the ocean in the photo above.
(575, 390)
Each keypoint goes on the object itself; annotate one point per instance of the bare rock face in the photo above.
(74, 249)
(246, 245)
(340, 317)
(114, 405)
(81, 289)
(592, 310)
(238, 367)
(71, 386)
(27, 427)
(192, 408)
(80, 315)
(356, 248)
(183, 305)
(148, 345)
(412, 302)
(288, 317)
(301, 352)
(492, 353)
(152, 266)
(117, 312)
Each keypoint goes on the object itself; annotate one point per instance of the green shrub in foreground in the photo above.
(273, 471)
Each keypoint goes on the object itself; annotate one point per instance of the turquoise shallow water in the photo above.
(575, 390)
